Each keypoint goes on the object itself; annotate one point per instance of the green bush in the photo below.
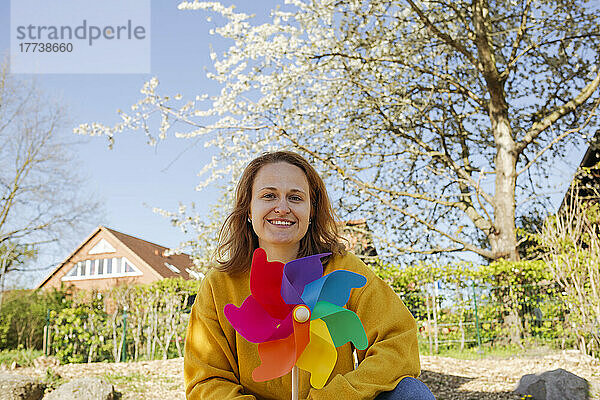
(23, 357)
(152, 316)
(24, 314)
(79, 331)
(518, 303)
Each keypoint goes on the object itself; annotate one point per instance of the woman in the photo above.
(282, 206)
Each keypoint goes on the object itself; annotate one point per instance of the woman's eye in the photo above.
(268, 196)
(295, 198)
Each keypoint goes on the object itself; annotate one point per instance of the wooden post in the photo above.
(429, 326)
(435, 317)
(45, 341)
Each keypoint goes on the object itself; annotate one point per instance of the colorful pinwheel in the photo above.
(296, 316)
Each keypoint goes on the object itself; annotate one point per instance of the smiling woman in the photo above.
(279, 189)
(282, 206)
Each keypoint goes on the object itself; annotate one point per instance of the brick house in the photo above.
(359, 237)
(108, 258)
(586, 180)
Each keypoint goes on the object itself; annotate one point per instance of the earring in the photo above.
(249, 220)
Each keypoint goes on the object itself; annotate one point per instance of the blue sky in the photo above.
(133, 177)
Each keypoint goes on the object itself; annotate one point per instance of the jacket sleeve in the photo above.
(210, 365)
(392, 353)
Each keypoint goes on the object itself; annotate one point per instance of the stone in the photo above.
(91, 388)
(558, 384)
(20, 387)
(44, 362)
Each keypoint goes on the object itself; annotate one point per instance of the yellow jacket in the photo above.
(218, 362)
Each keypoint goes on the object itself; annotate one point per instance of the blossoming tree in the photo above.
(438, 120)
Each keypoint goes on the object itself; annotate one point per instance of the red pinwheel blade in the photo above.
(279, 356)
(265, 284)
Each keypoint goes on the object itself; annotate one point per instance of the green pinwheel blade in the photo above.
(343, 325)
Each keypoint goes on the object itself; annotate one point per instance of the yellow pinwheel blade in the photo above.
(319, 356)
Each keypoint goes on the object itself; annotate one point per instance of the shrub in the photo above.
(24, 314)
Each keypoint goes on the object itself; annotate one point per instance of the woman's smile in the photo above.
(280, 222)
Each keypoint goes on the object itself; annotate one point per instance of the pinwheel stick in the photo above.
(301, 314)
(295, 383)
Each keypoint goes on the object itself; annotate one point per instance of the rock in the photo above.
(83, 389)
(20, 387)
(45, 362)
(558, 384)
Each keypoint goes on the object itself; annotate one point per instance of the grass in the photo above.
(134, 382)
(23, 357)
(52, 380)
(475, 353)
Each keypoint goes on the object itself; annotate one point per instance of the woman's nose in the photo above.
(282, 207)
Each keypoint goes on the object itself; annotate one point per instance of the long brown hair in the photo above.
(237, 240)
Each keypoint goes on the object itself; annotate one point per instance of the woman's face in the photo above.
(280, 206)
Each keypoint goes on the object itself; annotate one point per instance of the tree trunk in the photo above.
(503, 235)
(503, 238)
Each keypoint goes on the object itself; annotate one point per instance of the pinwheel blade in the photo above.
(297, 274)
(254, 324)
(320, 355)
(344, 325)
(334, 288)
(265, 284)
(279, 356)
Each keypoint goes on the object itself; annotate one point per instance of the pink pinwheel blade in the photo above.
(254, 324)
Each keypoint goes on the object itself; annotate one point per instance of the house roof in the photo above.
(359, 236)
(586, 177)
(151, 253)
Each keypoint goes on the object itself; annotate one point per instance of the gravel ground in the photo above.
(493, 378)
(448, 378)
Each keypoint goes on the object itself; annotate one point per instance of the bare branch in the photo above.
(560, 137)
(560, 112)
(443, 36)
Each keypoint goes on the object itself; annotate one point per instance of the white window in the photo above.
(73, 271)
(102, 247)
(194, 274)
(172, 268)
(102, 268)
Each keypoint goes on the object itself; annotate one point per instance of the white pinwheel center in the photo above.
(301, 314)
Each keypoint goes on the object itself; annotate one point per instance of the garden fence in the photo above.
(482, 315)
(458, 317)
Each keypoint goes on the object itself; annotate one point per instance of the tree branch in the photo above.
(559, 138)
(560, 112)
(517, 41)
(443, 36)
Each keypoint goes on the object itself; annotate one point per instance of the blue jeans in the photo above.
(408, 389)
